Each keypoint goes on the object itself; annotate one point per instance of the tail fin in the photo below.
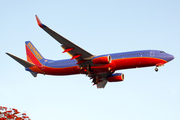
(33, 54)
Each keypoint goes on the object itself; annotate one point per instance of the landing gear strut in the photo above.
(88, 70)
(156, 69)
(94, 81)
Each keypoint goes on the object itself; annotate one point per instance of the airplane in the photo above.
(101, 69)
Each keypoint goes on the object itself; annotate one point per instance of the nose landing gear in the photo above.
(159, 65)
(156, 69)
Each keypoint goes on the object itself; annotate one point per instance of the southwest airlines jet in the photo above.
(101, 69)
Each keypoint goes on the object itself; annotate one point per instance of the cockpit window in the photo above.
(162, 52)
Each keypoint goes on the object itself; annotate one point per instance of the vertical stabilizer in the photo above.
(33, 54)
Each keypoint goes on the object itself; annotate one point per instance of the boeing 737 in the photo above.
(101, 69)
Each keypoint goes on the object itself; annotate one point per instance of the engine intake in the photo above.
(117, 77)
(102, 60)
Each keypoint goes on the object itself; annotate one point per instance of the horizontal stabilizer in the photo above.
(21, 61)
(34, 74)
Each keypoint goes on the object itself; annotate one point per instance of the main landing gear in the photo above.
(156, 69)
(95, 81)
(88, 70)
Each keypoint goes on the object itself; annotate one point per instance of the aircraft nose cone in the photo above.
(170, 57)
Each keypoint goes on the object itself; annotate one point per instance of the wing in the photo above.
(100, 80)
(75, 51)
(102, 84)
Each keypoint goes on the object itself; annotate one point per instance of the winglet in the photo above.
(39, 22)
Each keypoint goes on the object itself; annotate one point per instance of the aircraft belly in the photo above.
(104, 68)
(61, 71)
(126, 63)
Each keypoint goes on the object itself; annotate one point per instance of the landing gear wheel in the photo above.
(156, 69)
(94, 81)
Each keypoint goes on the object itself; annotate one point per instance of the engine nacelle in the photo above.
(117, 77)
(102, 60)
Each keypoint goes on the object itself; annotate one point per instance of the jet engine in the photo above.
(102, 60)
(116, 77)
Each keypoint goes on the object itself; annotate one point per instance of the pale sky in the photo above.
(99, 27)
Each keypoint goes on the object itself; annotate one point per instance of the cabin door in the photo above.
(42, 66)
(152, 53)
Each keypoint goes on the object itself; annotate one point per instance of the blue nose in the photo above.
(169, 57)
